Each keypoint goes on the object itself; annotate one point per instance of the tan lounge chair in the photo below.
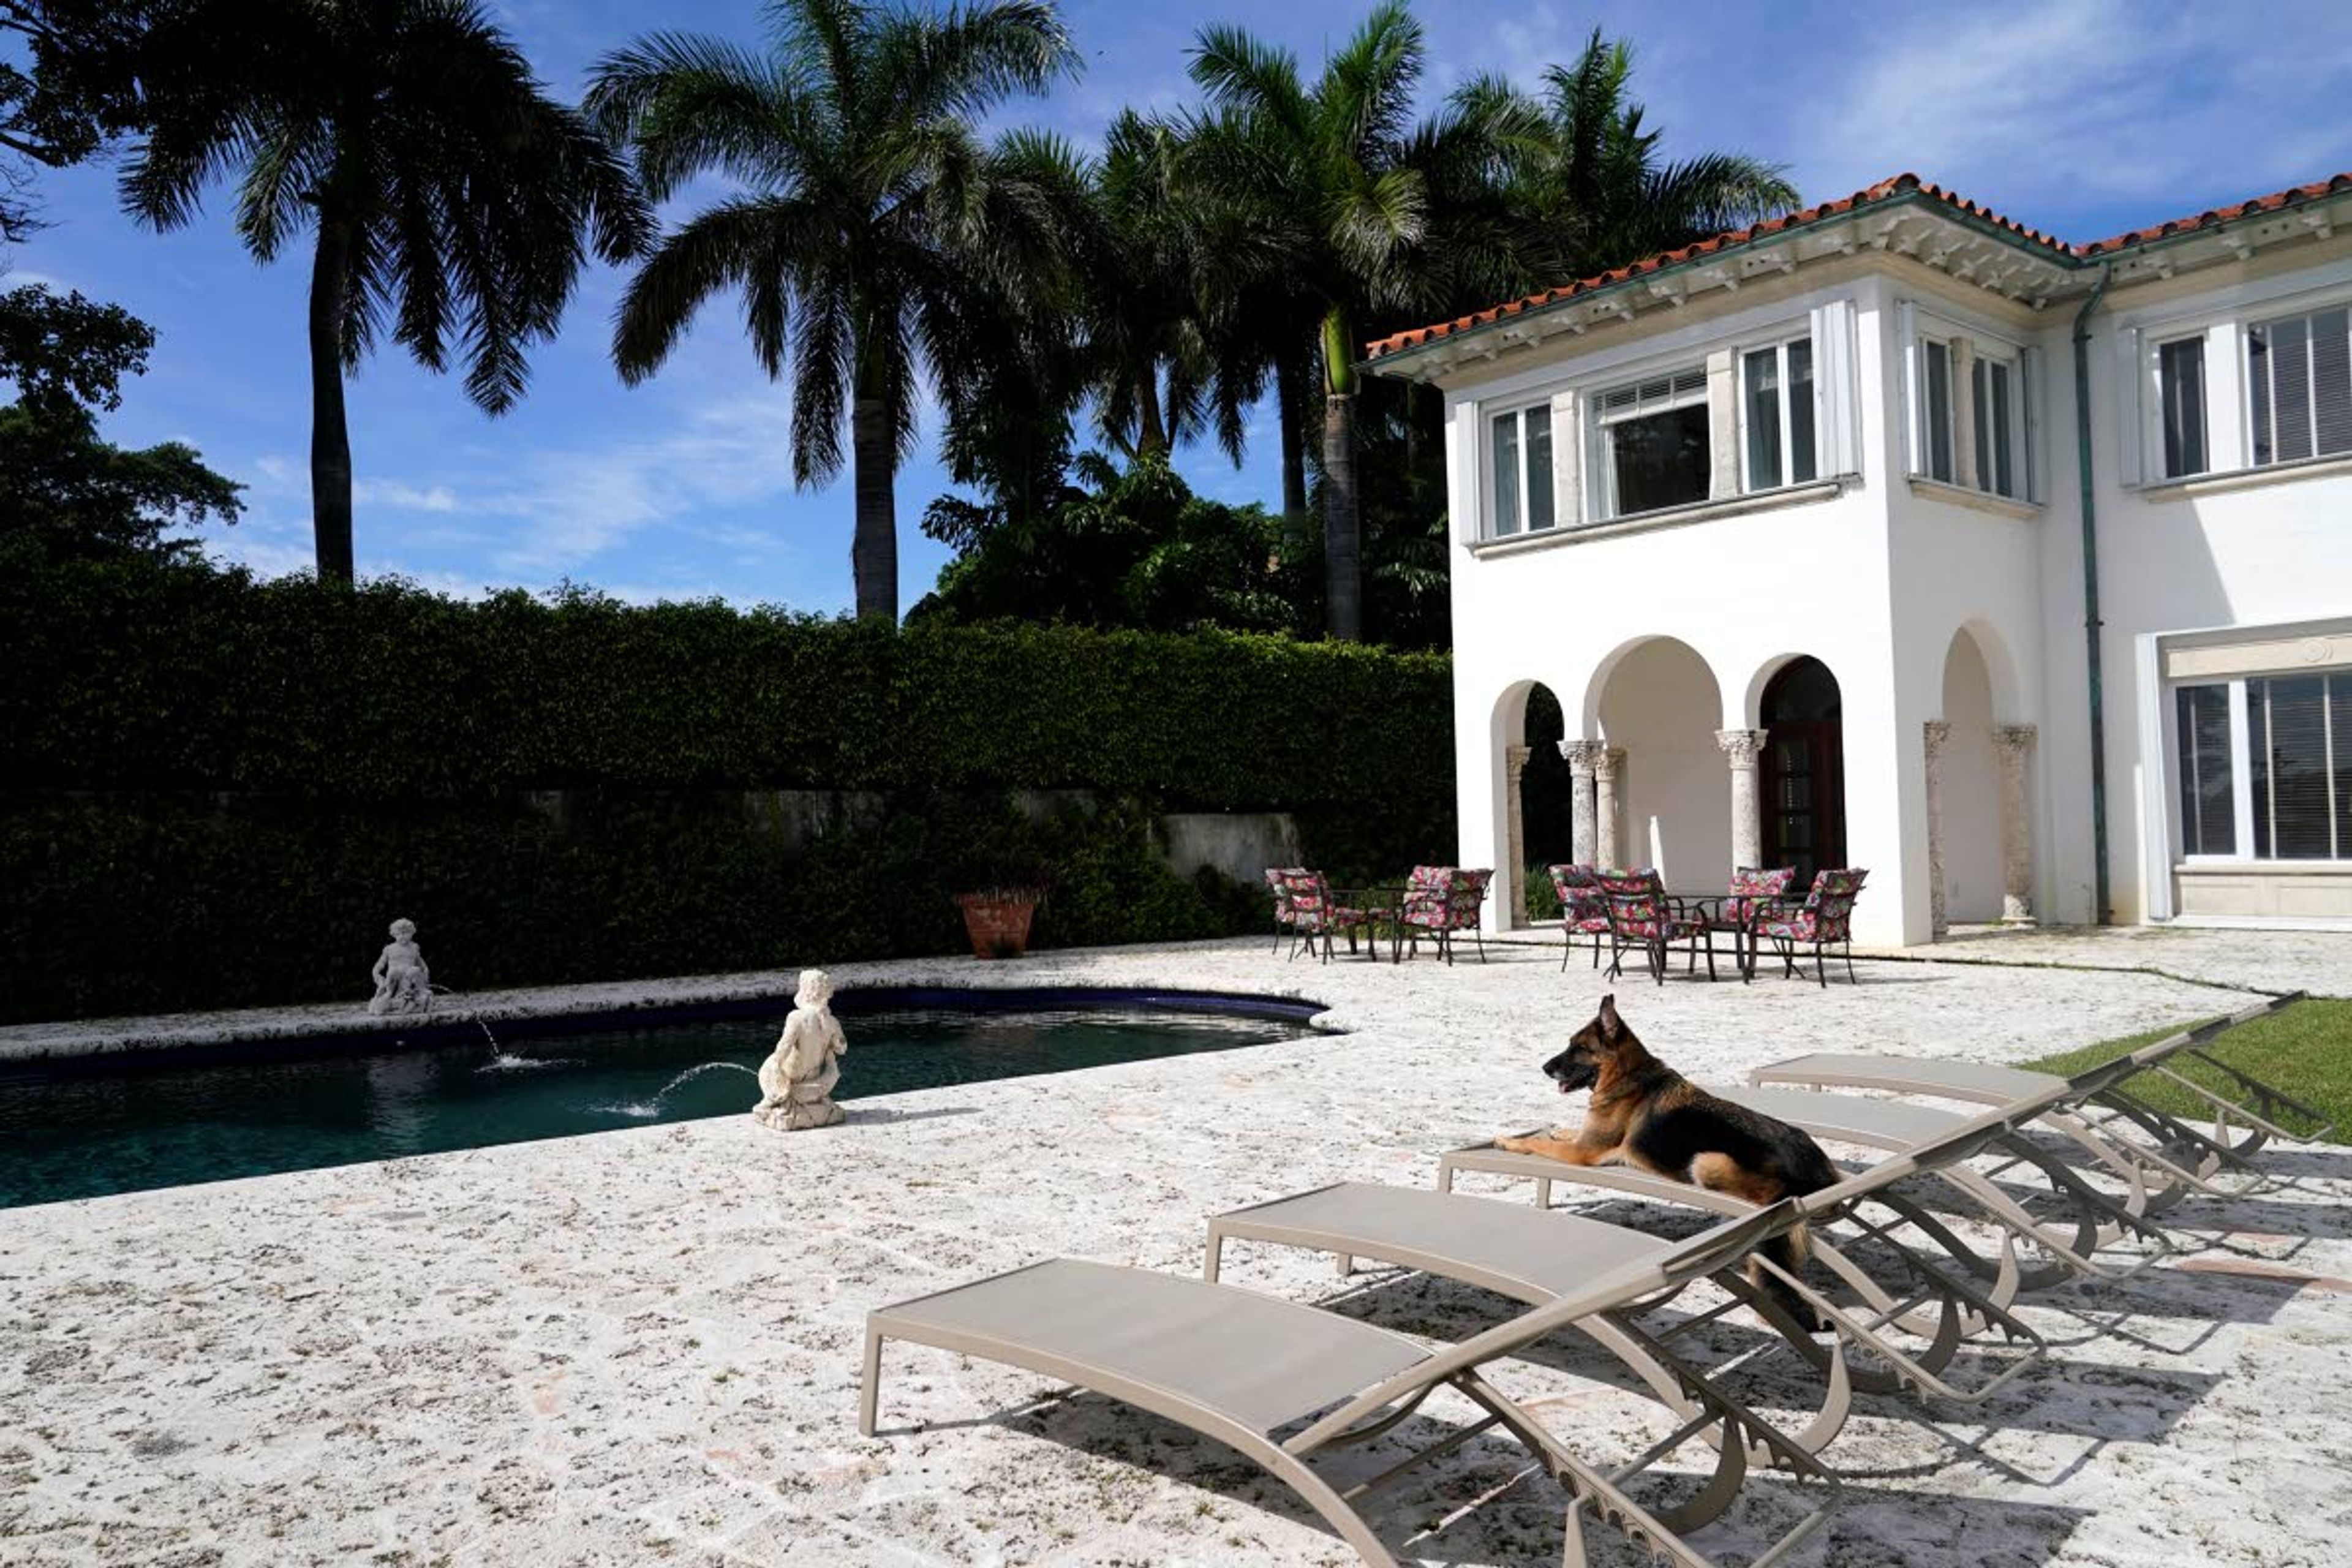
(2094, 1110)
(1282, 1384)
(1907, 1132)
(1535, 1255)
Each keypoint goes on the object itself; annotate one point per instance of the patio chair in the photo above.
(2097, 1112)
(1642, 916)
(1277, 877)
(1583, 909)
(1440, 900)
(1826, 917)
(1537, 1254)
(1282, 1384)
(1751, 892)
(2084, 1223)
(1315, 913)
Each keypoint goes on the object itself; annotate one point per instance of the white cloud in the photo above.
(2076, 98)
(399, 495)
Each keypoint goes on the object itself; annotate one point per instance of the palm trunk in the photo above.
(1151, 437)
(1290, 400)
(330, 437)
(1343, 564)
(874, 550)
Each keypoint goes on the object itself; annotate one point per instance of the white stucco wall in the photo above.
(1877, 580)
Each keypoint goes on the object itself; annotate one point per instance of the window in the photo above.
(1999, 425)
(2299, 384)
(1521, 467)
(1935, 410)
(1777, 406)
(2208, 809)
(1651, 440)
(2181, 375)
(2299, 792)
(2277, 786)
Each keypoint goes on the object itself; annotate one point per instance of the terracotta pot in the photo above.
(998, 923)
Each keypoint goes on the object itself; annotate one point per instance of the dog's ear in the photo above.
(1610, 1024)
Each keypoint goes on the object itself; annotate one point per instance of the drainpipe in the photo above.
(2090, 621)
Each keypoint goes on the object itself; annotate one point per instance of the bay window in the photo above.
(1652, 444)
(1777, 411)
(1520, 499)
(2299, 385)
(2265, 767)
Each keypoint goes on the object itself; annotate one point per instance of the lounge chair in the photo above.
(2094, 1108)
(2098, 1222)
(1536, 1255)
(1245, 1369)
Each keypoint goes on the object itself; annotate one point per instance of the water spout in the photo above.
(646, 1110)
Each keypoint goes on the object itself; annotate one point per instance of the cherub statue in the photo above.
(796, 1082)
(402, 983)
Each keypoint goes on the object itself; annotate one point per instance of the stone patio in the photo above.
(642, 1346)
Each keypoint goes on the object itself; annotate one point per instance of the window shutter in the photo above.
(1907, 342)
(1836, 402)
(2135, 367)
(1567, 468)
(2029, 390)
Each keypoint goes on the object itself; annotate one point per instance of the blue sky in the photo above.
(2081, 117)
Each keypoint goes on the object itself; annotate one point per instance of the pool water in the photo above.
(76, 1134)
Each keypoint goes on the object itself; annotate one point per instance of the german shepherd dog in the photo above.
(1644, 1114)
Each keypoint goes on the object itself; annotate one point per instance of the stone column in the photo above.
(1514, 765)
(1741, 747)
(1936, 731)
(1607, 842)
(1583, 839)
(2014, 744)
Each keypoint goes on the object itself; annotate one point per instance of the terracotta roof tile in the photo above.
(1885, 190)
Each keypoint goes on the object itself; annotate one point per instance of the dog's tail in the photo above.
(1789, 1251)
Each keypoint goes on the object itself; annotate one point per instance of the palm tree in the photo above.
(1586, 184)
(1339, 177)
(870, 209)
(449, 199)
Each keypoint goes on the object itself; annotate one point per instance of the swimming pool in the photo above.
(86, 1129)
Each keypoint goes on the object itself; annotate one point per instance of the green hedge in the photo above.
(216, 792)
(131, 675)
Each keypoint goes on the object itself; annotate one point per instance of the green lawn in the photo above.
(2304, 1051)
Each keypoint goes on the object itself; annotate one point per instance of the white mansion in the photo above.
(1894, 534)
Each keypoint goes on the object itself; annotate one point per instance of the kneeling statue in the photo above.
(402, 983)
(796, 1082)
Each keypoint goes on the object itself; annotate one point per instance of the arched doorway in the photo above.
(1803, 771)
(1661, 803)
(1545, 803)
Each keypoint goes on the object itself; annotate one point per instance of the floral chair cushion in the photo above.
(1827, 915)
(1582, 908)
(1444, 898)
(1750, 889)
(1639, 909)
(1278, 878)
(1311, 906)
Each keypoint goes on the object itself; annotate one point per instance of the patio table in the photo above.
(1383, 903)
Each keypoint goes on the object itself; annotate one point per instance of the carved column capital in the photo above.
(1935, 733)
(1515, 762)
(1607, 760)
(1579, 755)
(2015, 737)
(1742, 747)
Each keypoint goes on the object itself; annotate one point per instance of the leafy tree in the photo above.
(74, 89)
(1587, 187)
(448, 199)
(1350, 196)
(64, 493)
(1137, 549)
(871, 212)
